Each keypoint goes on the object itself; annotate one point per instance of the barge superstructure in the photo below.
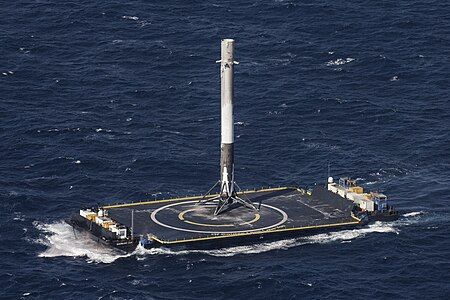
(375, 204)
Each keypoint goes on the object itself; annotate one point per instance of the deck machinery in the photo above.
(226, 216)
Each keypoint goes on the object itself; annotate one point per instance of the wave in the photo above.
(339, 61)
(394, 78)
(61, 240)
(130, 18)
(323, 238)
(413, 214)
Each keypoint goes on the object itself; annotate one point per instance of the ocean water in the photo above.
(107, 101)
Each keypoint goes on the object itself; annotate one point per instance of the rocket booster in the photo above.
(227, 122)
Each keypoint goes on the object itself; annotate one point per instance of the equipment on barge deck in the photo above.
(374, 203)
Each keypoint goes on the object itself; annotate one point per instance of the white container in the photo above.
(113, 228)
(85, 212)
(121, 233)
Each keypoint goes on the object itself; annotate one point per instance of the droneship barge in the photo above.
(231, 216)
(281, 212)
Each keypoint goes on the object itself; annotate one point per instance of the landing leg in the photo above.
(225, 203)
(206, 200)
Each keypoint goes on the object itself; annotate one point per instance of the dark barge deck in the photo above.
(283, 212)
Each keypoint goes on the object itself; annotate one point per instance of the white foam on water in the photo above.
(130, 18)
(339, 61)
(348, 235)
(222, 252)
(394, 78)
(61, 240)
(371, 182)
(413, 214)
(323, 238)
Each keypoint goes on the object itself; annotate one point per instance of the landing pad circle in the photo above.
(284, 218)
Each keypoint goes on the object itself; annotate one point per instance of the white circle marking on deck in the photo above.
(153, 217)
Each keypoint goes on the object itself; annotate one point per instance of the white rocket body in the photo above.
(228, 195)
(227, 122)
(226, 91)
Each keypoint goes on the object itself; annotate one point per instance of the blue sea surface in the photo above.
(113, 101)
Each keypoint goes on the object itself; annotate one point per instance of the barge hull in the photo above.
(283, 213)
